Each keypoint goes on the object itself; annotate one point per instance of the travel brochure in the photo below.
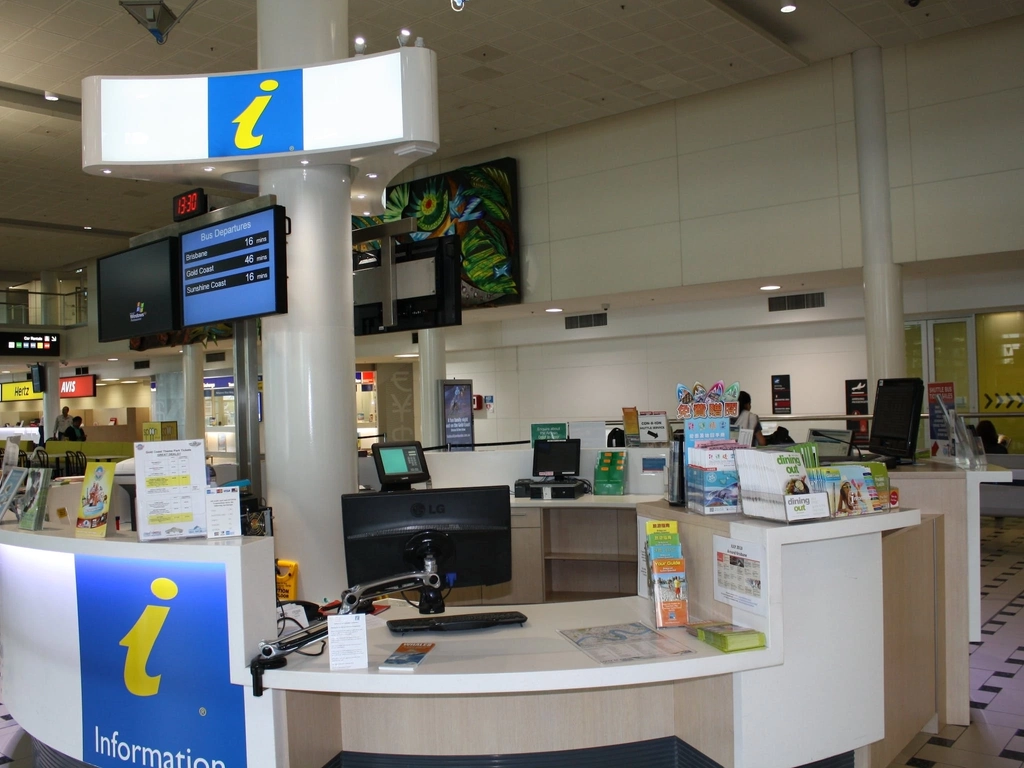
(616, 643)
(93, 521)
(31, 504)
(12, 481)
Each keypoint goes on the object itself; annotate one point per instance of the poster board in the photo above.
(170, 486)
(94, 519)
(456, 404)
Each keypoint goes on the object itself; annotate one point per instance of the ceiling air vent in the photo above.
(216, 357)
(586, 321)
(796, 301)
(82, 371)
(141, 365)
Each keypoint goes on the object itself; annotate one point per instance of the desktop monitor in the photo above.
(399, 465)
(556, 458)
(896, 417)
(832, 442)
(38, 378)
(388, 534)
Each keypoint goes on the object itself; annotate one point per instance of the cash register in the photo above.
(556, 463)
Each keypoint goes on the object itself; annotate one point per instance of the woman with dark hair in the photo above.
(986, 430)
(748, 419)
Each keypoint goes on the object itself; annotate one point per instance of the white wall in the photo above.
(760, 179)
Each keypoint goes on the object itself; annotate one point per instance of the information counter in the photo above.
(516, 691)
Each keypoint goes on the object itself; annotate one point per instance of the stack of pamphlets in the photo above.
(406, 657)
(667, 570)
(712, 483)
(726, 637)
(853, 489)
(610, 473)
(774, 485)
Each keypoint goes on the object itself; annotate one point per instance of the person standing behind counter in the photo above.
(748, 419)
(75, 431)
(63, 423)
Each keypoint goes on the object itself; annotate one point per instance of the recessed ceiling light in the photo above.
(303, 162)
(86, 227)
(4, 371)
(361, 197)
(107, 170)
(787, 7)
(409, 354)
(50, 96)
(129, 381)
(100, 384)
(209, 168)
(111, 359)
(371, 175)
(770, 287)
(553, 309)
(366, 213)
(109, 379)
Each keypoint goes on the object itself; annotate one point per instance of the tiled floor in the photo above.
(995, 738)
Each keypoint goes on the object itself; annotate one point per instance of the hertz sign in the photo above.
(70, 387)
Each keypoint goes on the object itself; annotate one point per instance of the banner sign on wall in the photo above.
(457, 414)
(938, 428)
(78, 386)
(18, 390)
(857, 403)
(782, 399)
(145, 701)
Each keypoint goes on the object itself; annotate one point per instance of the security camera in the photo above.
(912, 3)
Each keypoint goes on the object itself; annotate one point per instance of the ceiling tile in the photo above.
(20, 13)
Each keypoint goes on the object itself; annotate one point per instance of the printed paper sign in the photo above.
(170, 483)
(223, 513)
(740, 575)
(653, 427)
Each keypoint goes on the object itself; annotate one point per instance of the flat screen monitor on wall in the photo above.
(137, 291)
(896, 417)
(234, 269)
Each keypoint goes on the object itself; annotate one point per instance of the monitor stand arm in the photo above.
(272, 654)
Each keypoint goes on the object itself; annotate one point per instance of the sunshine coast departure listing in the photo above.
(228, 246)
(241, 278)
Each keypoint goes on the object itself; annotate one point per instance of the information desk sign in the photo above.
(235, 269)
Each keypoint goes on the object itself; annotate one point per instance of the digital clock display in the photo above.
(189, 204)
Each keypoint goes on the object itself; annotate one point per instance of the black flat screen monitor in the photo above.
(832, 442)
(896, 417)
(556, 458)
(399, 465)
(137, 291)
(437, 307)
(234, 269)
(477, 523)
(38, 378)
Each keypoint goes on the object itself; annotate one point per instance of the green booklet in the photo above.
(32, 503)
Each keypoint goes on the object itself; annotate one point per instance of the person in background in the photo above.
(748, 419)
(75, 431)
(986, 430)
(62, 423)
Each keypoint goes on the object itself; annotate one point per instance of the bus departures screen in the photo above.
(235, 269)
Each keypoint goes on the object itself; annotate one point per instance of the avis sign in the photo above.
(78, 386)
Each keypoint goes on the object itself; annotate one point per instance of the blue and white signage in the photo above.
(156, 691)
(234, 269)
(140, 120)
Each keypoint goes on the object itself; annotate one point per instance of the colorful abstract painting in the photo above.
(480, 204)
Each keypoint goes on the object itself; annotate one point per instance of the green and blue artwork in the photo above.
(479, 203)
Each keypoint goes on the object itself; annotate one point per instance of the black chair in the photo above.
(74, 468)
(42, 458)
(23, 459)
(80, 458)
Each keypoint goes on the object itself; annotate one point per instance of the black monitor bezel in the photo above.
(569, 440)
(103, 335)
(903, 446)
(404, 478)
(280, 265)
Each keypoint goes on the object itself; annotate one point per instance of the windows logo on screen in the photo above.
(139, 313)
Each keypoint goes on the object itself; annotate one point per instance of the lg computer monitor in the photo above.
(399, 465)
(896, 417)
(832, 442)
(556, 458)
(469, 530)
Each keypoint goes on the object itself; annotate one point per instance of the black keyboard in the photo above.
(456, 622)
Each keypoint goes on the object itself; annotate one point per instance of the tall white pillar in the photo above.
(883, 279)
(309, 353)
(195, 406)
(51, 398)
(433, 364)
